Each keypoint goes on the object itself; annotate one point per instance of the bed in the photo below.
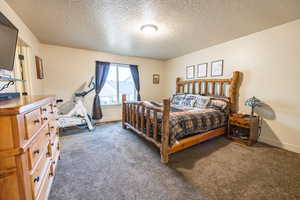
(197, 112)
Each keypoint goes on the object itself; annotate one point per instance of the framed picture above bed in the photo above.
(190, 72)
(217, 68)
(201, 71)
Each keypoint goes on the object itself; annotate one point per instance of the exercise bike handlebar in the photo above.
(84, 93)
(91, 82)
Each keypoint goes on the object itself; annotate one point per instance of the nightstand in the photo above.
(243, 128)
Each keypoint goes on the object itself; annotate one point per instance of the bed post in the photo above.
(178, 79)
(165, 132)
(123, 110)
(233, 90)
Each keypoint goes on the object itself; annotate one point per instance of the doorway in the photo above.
(21, 69)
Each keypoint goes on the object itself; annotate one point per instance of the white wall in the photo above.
(269, 61)
(67, 68)
(27, 37)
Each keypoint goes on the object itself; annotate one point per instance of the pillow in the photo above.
(177, 99)
(218, 103)
(190, 100)
(202, 101)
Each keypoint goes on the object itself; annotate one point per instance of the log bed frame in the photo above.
(133, 120)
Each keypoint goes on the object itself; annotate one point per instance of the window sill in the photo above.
(111, 105)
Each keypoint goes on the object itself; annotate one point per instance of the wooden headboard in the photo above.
(212, 87)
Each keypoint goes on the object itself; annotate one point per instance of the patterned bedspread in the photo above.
(187, 121)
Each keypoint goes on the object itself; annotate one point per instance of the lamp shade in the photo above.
(252, 102)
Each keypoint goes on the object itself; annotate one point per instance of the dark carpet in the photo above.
(115, 164)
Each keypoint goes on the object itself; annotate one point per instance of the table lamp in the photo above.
(252, 102)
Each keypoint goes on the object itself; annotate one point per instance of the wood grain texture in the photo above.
(165, 131)
(23, 150)
(201, 137)
(233, 91)
(124, 113)
(24, 104)
(211, 89)
(217, 88)
(148, 125)
(244, 121)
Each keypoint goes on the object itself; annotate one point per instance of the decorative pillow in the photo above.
(190, 100)
(178, 99)
(218, 103)
(202, 101)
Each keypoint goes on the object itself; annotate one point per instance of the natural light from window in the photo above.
(119, 81)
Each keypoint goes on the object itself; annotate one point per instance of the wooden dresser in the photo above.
(29, 147)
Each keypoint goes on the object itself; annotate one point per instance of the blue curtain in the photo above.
(136, 78)
(102, 69)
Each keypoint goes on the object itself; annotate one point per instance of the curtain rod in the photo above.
(117, 63)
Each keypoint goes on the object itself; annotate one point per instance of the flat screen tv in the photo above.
(8, 43)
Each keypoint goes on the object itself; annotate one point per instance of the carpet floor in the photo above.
(115, 164)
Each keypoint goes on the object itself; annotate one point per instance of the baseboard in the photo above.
(283, 145)
(106, 122)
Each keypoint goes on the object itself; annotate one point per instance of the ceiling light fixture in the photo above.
(149, 28)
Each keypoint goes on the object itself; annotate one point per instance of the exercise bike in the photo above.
(73, 113)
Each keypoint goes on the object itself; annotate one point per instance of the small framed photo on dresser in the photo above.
(217, 68)
(190, 72)
(201, 71)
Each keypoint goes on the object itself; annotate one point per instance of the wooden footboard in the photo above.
(147, 126)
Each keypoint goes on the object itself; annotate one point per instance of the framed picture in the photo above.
(190, 72)
(39, 67)
(201, 70)
(155, 78)
(217, 68)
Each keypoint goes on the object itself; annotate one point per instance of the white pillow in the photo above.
(202, 101)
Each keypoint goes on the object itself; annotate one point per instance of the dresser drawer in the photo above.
(33, 121)
(53, 111)
(46, 111)
(46, 185)
(39, 174)
(54, 164)
(7, 163)
(53, 126)
(55, 147)
(39, 147)
(9, 188)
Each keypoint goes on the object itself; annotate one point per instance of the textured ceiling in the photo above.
(184, 25)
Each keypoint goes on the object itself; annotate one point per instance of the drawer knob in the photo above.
(44, 109)
(36, 151)
(36, 121)
(37, 179)
(52, 127)
(52, 144)
(51, 112)
(48, 133)
(45, 118)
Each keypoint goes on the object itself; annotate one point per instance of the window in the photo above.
(119, 81)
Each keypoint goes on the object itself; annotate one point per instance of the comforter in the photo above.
(187, 121)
